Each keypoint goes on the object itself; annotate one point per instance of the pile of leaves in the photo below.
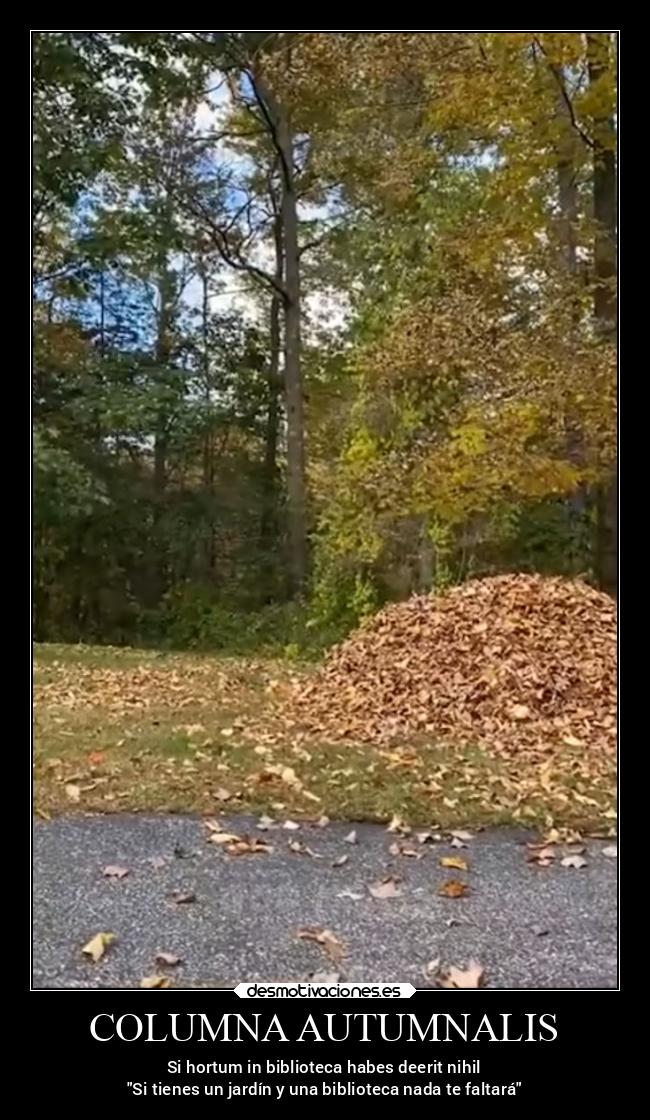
(517, 664)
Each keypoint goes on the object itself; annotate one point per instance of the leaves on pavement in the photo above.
(97, 946)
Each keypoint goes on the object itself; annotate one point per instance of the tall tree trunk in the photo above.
(268, 524)
(567, 172)
(208, 438)
(162, 355)
(599, 48)
(293, 387)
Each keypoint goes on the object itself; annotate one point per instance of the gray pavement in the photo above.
(530, 927)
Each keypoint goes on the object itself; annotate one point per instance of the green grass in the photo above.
(135, 730)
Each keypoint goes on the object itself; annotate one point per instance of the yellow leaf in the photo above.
(98, 945)
(155, 982)
(456, 862)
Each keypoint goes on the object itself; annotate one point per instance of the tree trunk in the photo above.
(605, 303)
(293, 389)
(268, 525)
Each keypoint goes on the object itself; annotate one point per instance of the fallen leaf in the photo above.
(73, 792)
(302, 849)
(456, 843)
(571, 741)
(155, 982)
(95, 758)
(322, 822)
(574, 861)
(519, 711)
(539, 931)
(351, 837)
(222, 795)
(398, 848)
(114, 871)
(397, 825)
(182, 897)
(461, 834)
(245, 846)
(223, 838)
(385, 888)
(291, 826)
(611, 852)
(456, 862)
(324, 977)
(540, 854)
(341, 861)
(265, 823)
(349, 894)
(327, 940)
(454, 977)
(157, 861)
(170, 959)
(98, 945)
(453, 889)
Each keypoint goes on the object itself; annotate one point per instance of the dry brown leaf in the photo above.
(385, 888)
(246, 846)
(222, 794)
(170, 959)
(456, 862)
(398, 825)
(73, 793)
(574, 861)
(114, 871)
(453, 889)
(519, 711)
(98, 945)
(327, 940)
(541, 854)
(454, 977)
(182, 898)
(155, 982)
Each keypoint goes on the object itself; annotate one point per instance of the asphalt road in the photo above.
(529, 926)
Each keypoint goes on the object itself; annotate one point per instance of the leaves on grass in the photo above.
(97, 946)
(456, 862)
(520, 686)
(114, 871)
(453, 889)
(73, 792)
(155, 982)
(385, 888)
(327, 940)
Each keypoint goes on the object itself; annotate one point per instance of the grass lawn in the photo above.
(130, 730)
